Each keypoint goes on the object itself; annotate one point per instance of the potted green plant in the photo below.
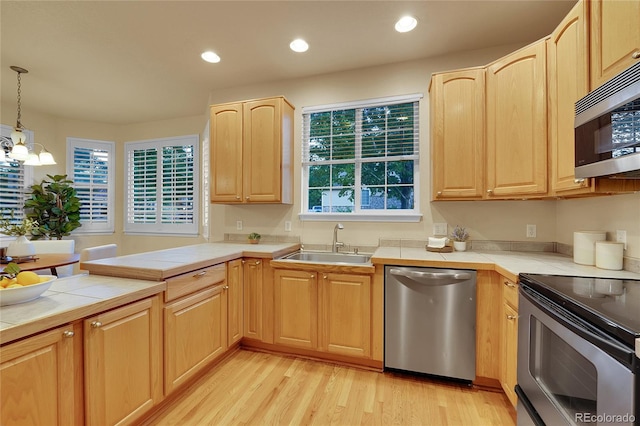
(254, 238)
(21, 246)
(460, 235)
(55, 206)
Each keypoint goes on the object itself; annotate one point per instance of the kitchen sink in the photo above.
(328, 257)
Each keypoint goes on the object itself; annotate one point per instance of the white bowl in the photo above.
(11, 296)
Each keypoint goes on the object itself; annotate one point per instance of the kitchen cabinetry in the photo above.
(488, 329)
(41, 379)
(195, 325)
(323, 311)
(509, 339)
(122, 362)
(234, 301)
(457, 102)
(517, 124)
(253, 301)
(252, 151)
(615, 38)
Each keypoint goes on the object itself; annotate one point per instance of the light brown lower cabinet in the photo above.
(195, 333)
(40, 381)
(122, 362)
(322, 311)
(235, 302)
(253, 301)
(509, 339)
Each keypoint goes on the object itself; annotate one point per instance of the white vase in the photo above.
(460, 245)
(21, 247)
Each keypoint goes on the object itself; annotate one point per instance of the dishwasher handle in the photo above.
(462, 276)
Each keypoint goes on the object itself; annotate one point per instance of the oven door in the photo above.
(568, 374)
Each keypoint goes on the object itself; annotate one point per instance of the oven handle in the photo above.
(528, 406)
(616, 350)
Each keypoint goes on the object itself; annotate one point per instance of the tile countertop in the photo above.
(69, 299)
(162, 264)
(507, 263)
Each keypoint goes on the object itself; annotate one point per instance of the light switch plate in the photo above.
(621, 237)
(440, 228)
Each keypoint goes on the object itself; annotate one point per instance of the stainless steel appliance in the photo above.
(430, 321)
(577, 354)
(607, 128)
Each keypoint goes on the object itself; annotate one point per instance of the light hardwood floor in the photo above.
(255, 388)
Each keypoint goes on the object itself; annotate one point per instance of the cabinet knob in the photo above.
(511, 317)
(237, 197)
(313, 276)
(68, 333)
(636, 54)
(246, 198)
(96, 324)
(226, 287)
(489, 191)
(244, 261)
(578, 181)
(258, 262)
(324, 276)
(439, 194)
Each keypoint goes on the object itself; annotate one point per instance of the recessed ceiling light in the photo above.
(299, 45)
(210, 56)
(406, 24)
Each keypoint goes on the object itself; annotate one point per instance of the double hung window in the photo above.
(14, 178)
(360, 160)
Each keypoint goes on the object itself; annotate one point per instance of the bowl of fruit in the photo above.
(22, 286)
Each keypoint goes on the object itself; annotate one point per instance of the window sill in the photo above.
(350, 217)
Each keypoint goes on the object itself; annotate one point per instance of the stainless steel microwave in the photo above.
(607, 128)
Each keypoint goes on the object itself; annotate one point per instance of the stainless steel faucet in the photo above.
(336, 243)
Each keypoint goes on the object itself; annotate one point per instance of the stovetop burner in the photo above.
(609, 303)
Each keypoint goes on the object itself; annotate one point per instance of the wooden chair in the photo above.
(55, 246)
(98, 252)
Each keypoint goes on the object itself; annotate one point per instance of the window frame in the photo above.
(109, 146)
(379, 215)
(27, 174)
(157, 228)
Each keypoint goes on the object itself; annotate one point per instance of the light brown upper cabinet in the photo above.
(517, 124)
(568, 75)
(457, 134)
(615, 38)
(252, 151)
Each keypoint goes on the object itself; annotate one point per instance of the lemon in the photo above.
(43, 279)
(16, 285)
(27, 278)
(5, 281)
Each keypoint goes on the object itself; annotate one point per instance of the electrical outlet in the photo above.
(238, 225)
(287, 225)
(531, 231)
(621, 237)
(440, 228)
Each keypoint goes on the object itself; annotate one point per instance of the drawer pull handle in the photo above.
(511, 317)
(509, 284)
(636, 54)
(200, 274)
(96, 324)
(68, 333)
(258, 262)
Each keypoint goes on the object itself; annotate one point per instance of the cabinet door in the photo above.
(457, 134)
(262, 150)
(488, 329)
(38, 385)
(195, 334)
(252, 283)
(517, 124)
(510, 352)
(296, 308)
(122, 352)
(226, 153)
(615, 38)
(568, 76)
(345, 312)
(234, 301)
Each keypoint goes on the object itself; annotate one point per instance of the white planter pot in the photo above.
(460, 245)
(21, 247)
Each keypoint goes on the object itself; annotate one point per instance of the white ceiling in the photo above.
(134, 61)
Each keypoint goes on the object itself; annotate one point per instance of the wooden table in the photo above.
(48, 261)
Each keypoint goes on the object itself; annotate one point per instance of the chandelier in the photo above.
(15, 147)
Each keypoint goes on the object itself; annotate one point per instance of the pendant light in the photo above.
(19, 151)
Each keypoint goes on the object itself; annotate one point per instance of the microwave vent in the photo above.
(623, 80)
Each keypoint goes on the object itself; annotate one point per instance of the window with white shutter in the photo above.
(162, 186)
(91, 166)
(14, 179)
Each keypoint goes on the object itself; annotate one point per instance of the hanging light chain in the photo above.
(18, 124)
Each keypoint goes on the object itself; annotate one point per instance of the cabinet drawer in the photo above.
(181, 285)
(510, 292)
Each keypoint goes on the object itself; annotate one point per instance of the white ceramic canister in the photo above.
(609, 255)
(584, 250)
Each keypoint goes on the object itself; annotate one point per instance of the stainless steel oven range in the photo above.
(578, 351)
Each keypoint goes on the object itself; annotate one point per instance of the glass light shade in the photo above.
(17, 136)
(46, 158)
(32, 160)
(19, 152)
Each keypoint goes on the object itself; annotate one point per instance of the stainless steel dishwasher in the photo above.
(430, 321)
